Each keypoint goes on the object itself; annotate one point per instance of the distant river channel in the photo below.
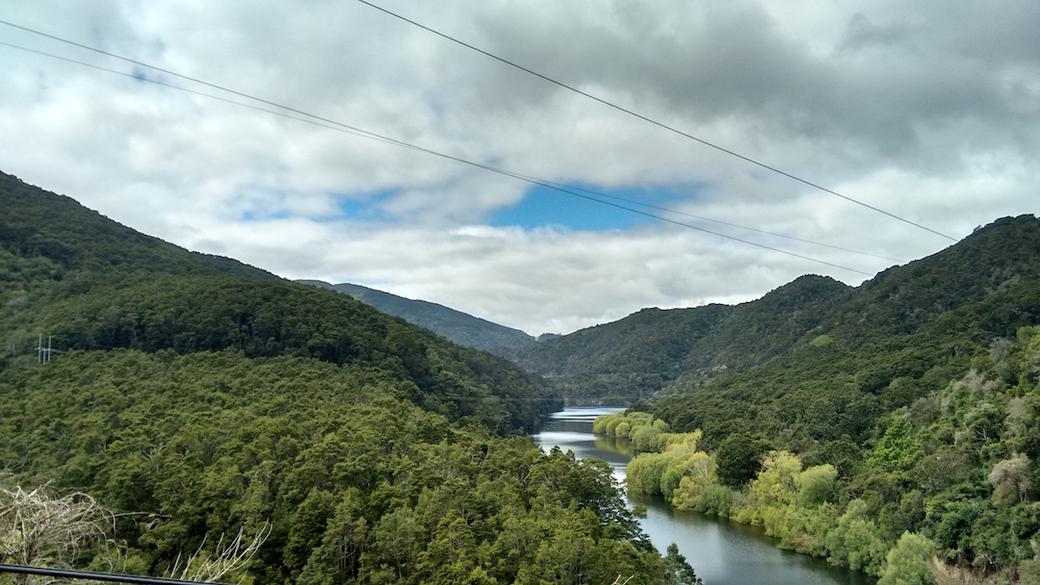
(722, 552)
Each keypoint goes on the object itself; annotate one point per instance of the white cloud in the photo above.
(926, 110)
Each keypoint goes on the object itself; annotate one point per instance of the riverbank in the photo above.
(747, 481)
(721, 551)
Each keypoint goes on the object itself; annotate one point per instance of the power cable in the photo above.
(356, 131)
(726, 223)
(301, 112)
(645, 118)
(93, 576)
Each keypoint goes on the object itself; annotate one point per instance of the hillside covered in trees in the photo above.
(952, 475)
(635, 357)
(197, 397)
(461, 328)
(902, 336)
(931, 313)
(911, 407)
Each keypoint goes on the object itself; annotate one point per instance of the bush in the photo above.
(909, 562)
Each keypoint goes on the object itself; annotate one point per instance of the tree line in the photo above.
(953, 474)
(353, 483)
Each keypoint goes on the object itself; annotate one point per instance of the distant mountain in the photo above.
(980, 288)
(898, 337)
(638, 355)
(462, 328)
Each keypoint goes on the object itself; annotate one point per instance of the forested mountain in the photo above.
(58, 237)
(913, 402)
(197, 396)
(902, 335)
(94, 284)
(636, 356)
(993, 271)
(459, 327)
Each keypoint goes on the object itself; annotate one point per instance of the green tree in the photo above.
(854, 540)
(816, 485)
(739, 459)
(897, 449)
(645, 471)
(682, 572)
(909, 562)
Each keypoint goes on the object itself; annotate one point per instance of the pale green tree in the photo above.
(909, 562)
(816, 485)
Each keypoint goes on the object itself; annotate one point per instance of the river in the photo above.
(722, 552)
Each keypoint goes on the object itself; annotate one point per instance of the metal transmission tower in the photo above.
(43, 354)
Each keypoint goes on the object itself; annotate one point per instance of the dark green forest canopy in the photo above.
(356, 484)
(190, 314)
(37, 224)
(636, 356)
(901, 336)
(94, 284)
(956, 469)
(919, 387)
(936, 312)
(213, 396)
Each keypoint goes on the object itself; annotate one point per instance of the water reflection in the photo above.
(722, 552)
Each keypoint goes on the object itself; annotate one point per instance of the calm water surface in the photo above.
(722, 552)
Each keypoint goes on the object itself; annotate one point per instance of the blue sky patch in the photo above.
(542, 206)
(359, 207)
(265, 215)
(349, 206)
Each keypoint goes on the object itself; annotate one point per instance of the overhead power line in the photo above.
(370, 135)
(722, 222)
(294, 110)
(653, 121)
(354, 130)
(94, 576)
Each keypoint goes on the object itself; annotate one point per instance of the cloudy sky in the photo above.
(930, 110)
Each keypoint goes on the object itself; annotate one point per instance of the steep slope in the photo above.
(354, 484)
(899, 336)
(52, 248)
(914, 406)
(95, 284)
(638, 355)
(199, 398)
(57, 231)
(459, 327)
(992, 271)
(624, 359)
(991, 263)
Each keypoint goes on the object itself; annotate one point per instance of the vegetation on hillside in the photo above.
(953, 473)
(637, 356)
(354, 484)
(814, 336)
(872, 426)
(456, 326)
(94, 284)
(199, 397)
(903, 336)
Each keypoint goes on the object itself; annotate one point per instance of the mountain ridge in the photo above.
(45, 219)
(452, 324)
(651, 347)
(95, 284)
(197, 398)
(641, 354)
